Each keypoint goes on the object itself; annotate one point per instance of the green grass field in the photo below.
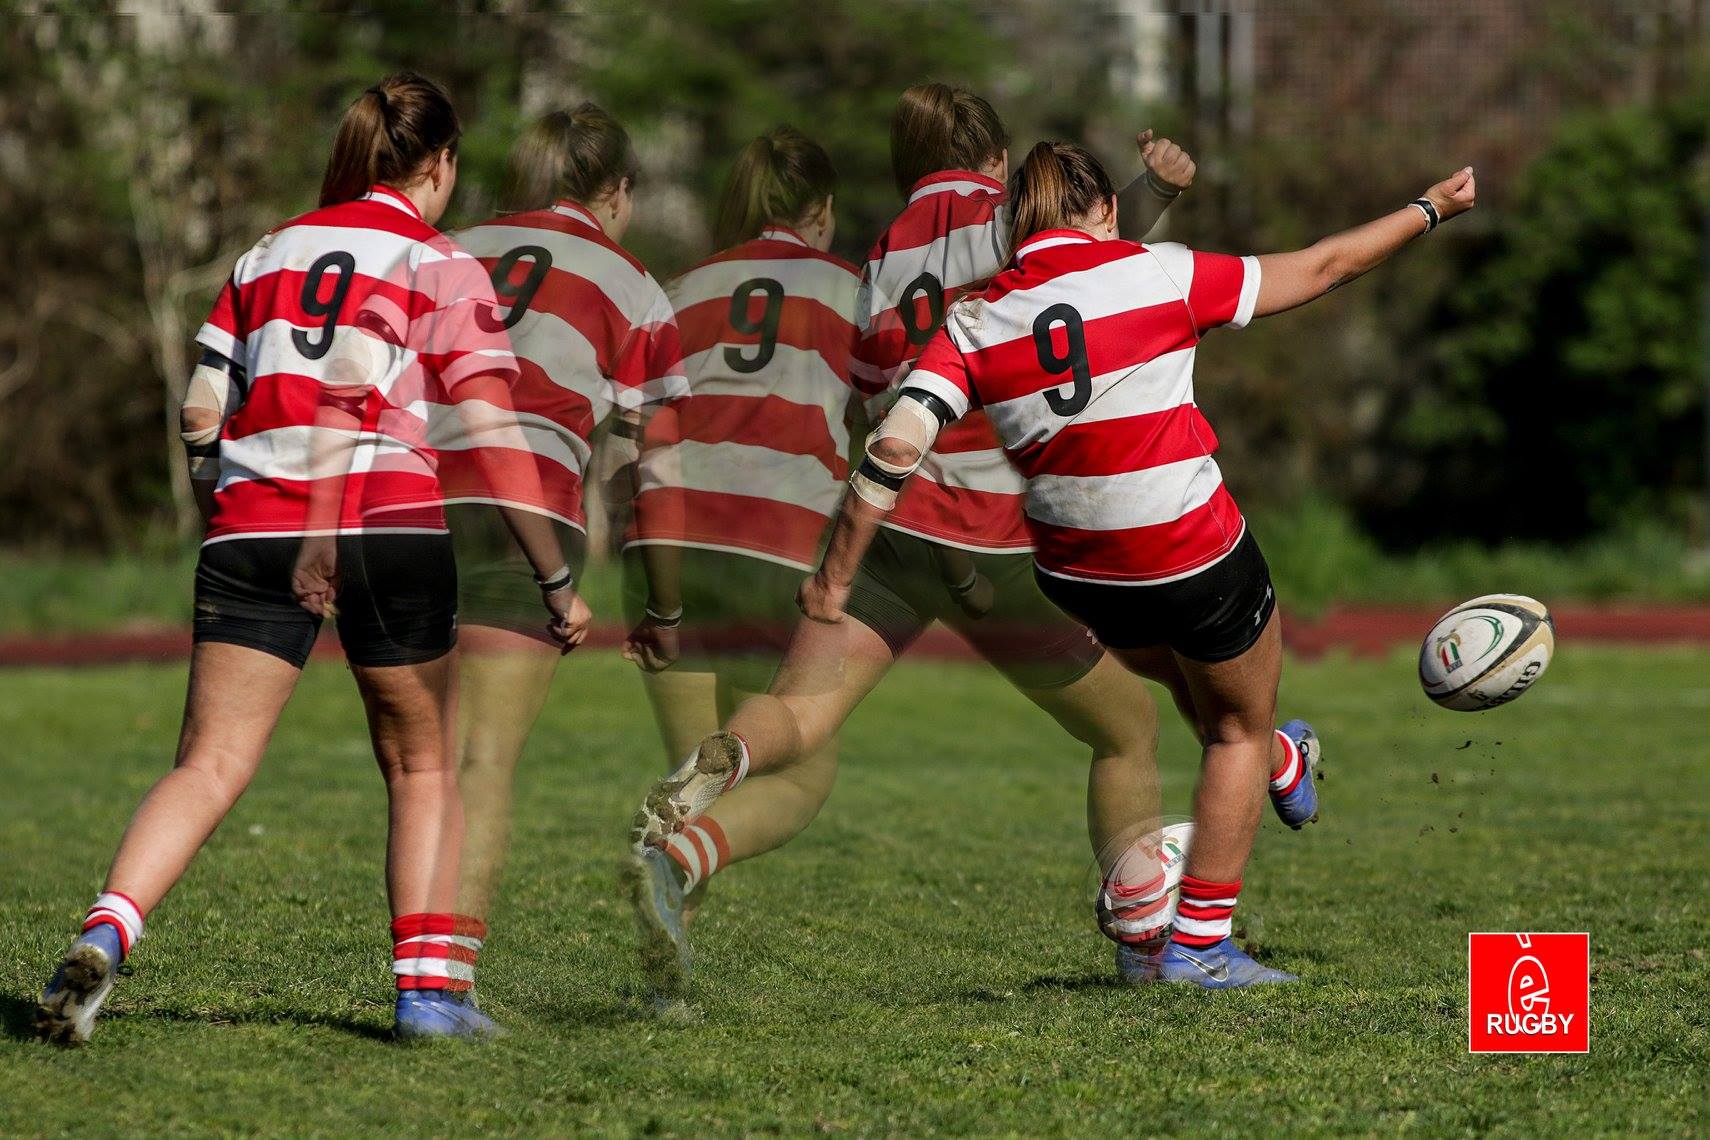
(922, 960)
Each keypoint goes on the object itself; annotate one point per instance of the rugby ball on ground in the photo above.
(1486, 652)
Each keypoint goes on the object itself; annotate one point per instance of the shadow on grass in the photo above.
(215, 1018)
(16, 1014)
(1047, 983)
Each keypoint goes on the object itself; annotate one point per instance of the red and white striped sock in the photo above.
(1134, 898)
(700, 849)
(1293, 767)
(436, 951)
(118, 911)
(1205, 915)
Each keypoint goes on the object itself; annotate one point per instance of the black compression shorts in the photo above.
(396, 600)
(1214, 615)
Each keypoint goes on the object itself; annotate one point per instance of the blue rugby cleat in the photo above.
(66, 1013)
(1137, 963)
(1297, 804)
(1220, 967)
(427, 1014)
(657, 897)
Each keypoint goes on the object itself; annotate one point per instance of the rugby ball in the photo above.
(1486, 652)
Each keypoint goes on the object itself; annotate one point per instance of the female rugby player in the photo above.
(595, 341)
(956, 553)
(741, 478)
(313, 469)
(1081, 356)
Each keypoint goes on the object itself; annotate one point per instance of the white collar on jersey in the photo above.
(1045, 239)
(784, 234)
(393, 198)
(957, 181)
(578, 211)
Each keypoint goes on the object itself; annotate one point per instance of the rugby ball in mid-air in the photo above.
(1486, 652)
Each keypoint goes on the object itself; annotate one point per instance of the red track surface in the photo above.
(1363, 630)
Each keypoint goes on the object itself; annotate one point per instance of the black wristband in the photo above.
(1159, 189)
(554, 584)
(878, 475)
(930, 402)
(664, 621)
(624, 429)
(1432, 218)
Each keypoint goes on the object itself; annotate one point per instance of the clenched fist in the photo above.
(1171, 167)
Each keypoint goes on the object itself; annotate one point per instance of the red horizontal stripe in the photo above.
(580, 303)
(436, 922)
(986, 520)
(803, 323)
(536, 393)
(281, 505)
(712, 518)
(932, 217)
(771, 249)
(447, 951)
(512, 476)
(762, 421)
(567, 224)
(1116, 447)
(1116, 342)
(1139, 554)
(1040, 266)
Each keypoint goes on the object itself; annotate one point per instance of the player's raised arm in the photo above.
(1169, 170)
(1288, 280)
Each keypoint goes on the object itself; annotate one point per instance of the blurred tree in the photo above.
(1570, 388)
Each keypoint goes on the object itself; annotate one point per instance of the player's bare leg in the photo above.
(1236, 701)
(232, 705)
(826, 673)
(503, 681)
(1295, 747)
(1111, 711)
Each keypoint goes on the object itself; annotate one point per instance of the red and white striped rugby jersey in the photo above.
(592, 331)
(1082, 356)
(952, 235)
(754, 460)
(347, 321)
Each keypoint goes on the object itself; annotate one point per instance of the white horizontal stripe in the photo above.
(989, 471)
(685, 848)
(307, 452)
(462, 940)
(1230, 901)
(533, 508)
(944, 389)
(478, 362)
(959, 186)
(214, 337)
(695, 544)
(1034, 245)
(633, 291)
(379, 254)
(1121, 502)
(322, 532)
(476, 423)
(1110, 289)
(743, 469)
(1158, 385)
(1201, 929)
(356, 358)
(433, 968)
(801, 277)
(798, 375)
(967, 254)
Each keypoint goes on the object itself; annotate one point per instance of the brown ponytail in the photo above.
(582, 154)
(780, 178)
(1057, 187)
(938, 127)
(388, 135)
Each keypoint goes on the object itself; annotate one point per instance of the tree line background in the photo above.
(1536, 371)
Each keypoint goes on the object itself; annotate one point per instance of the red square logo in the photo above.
(1529, 993)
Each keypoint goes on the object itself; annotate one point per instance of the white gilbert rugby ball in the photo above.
(1486, 652)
